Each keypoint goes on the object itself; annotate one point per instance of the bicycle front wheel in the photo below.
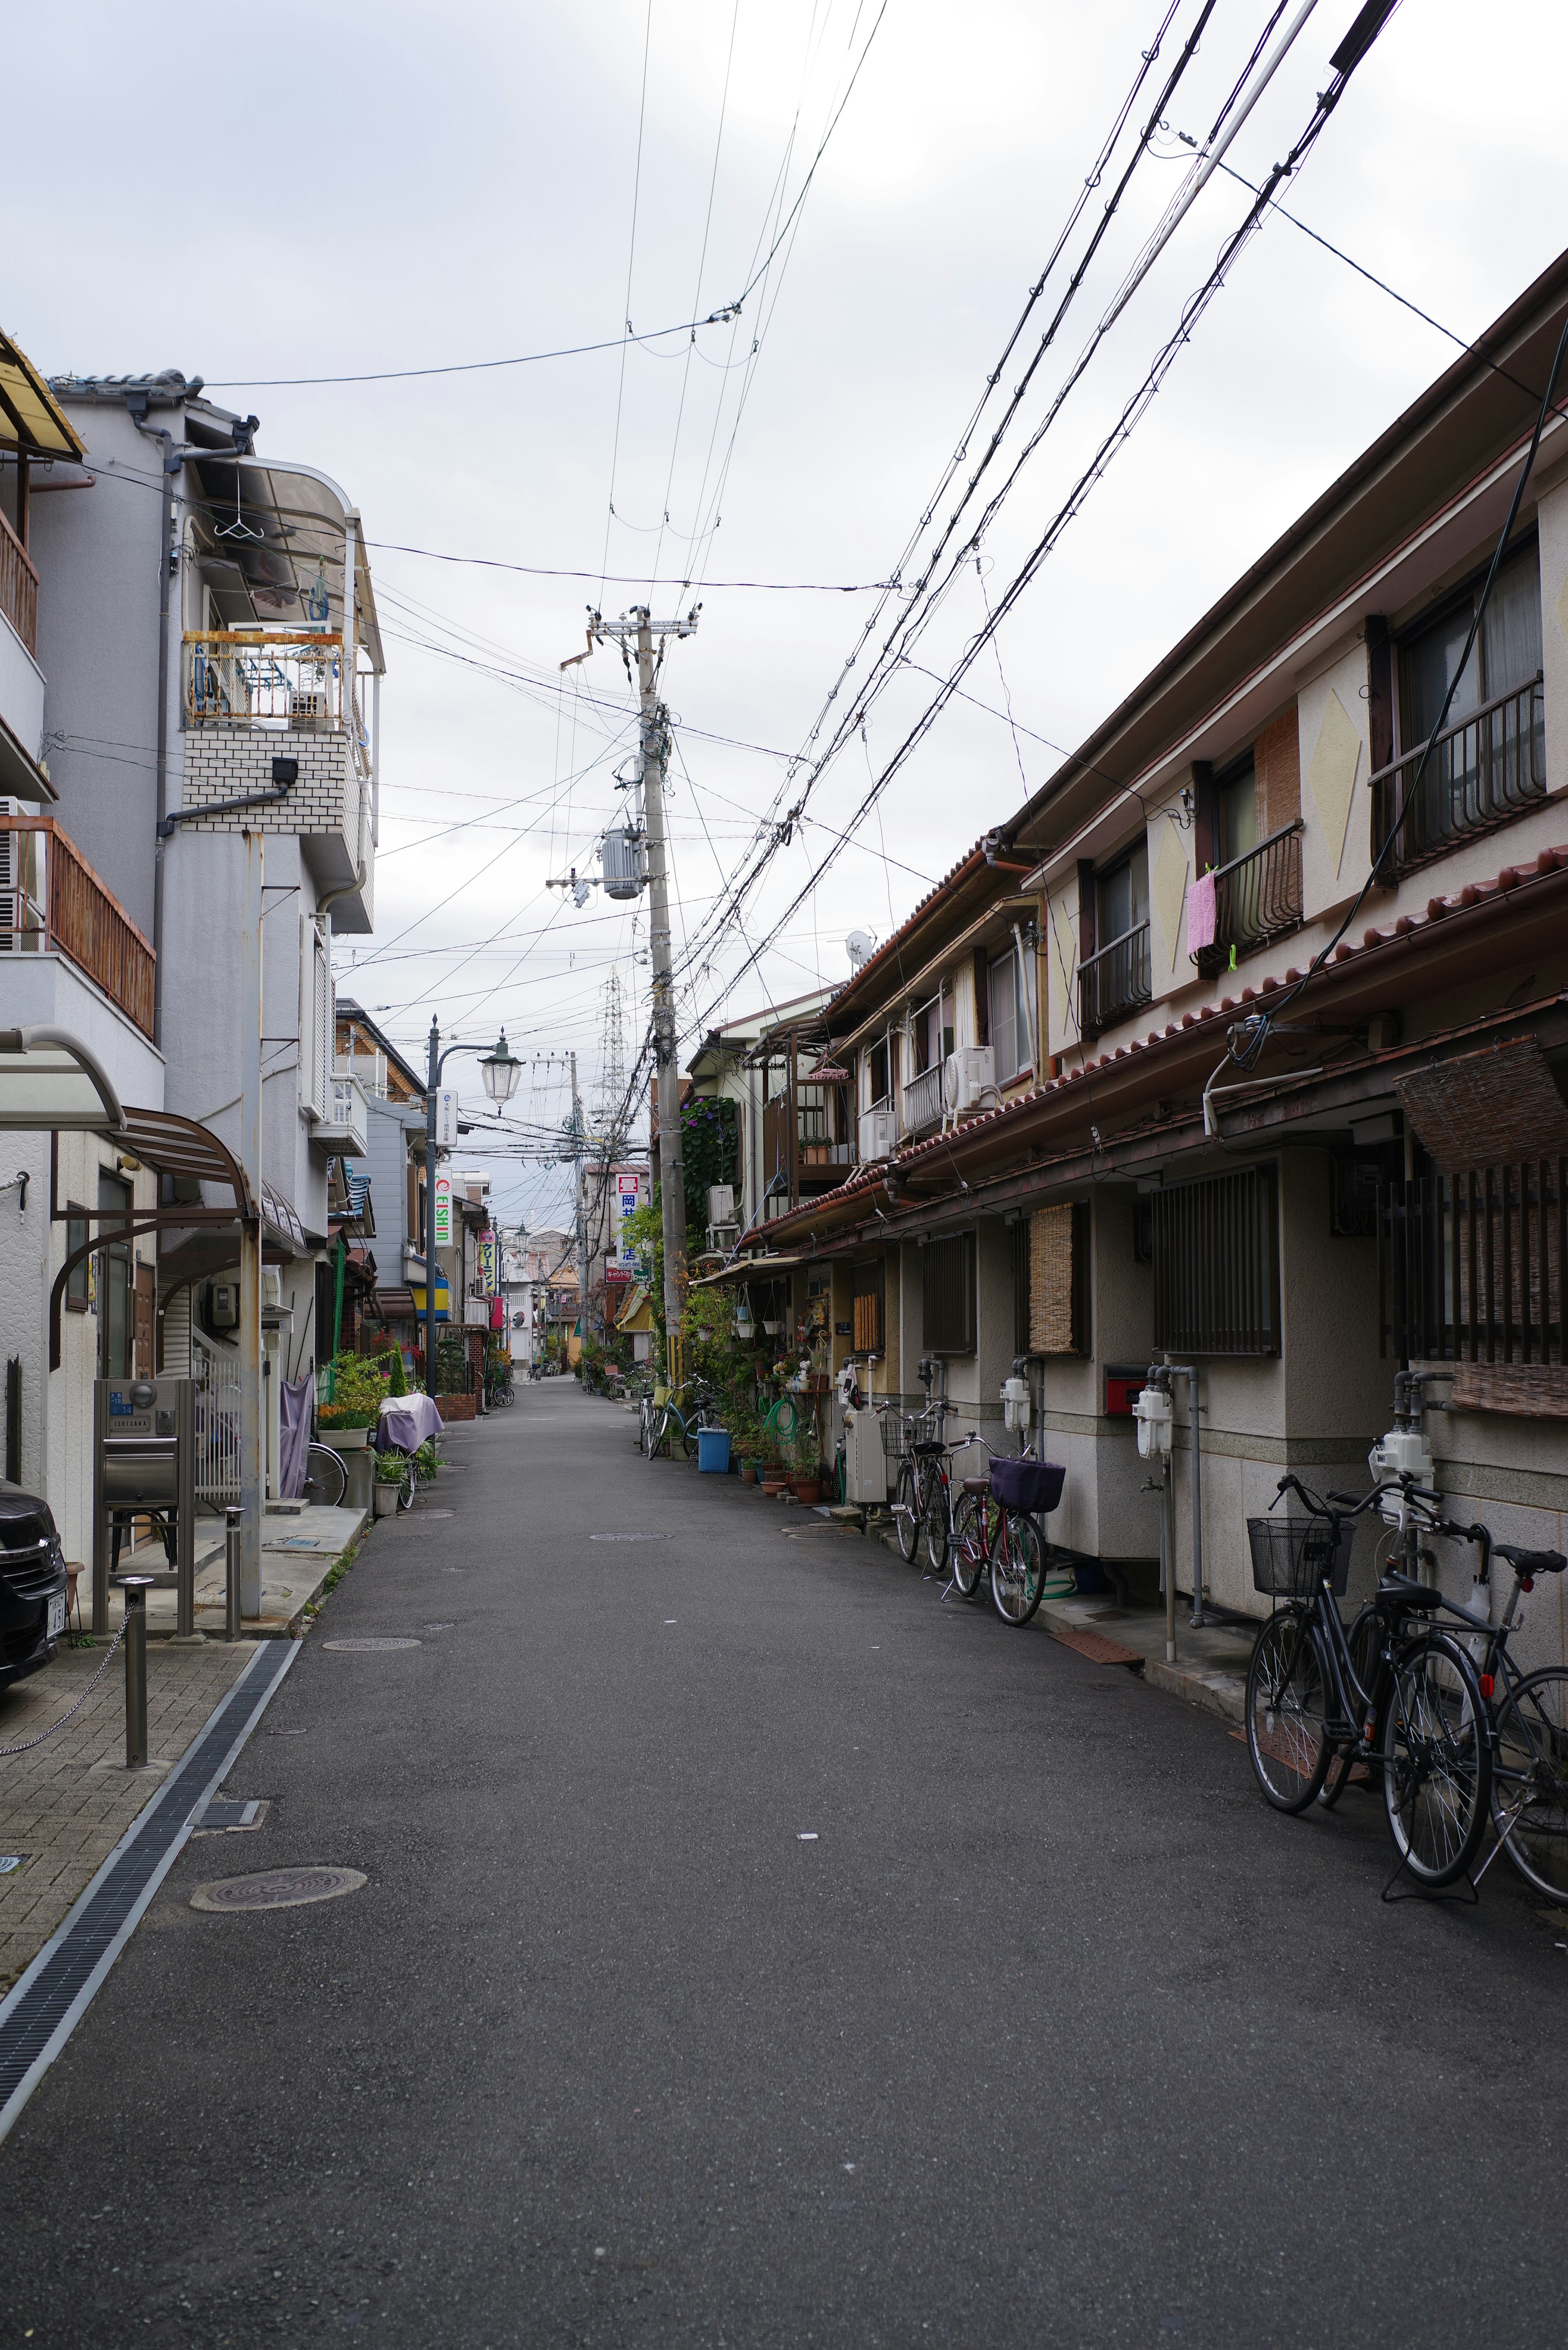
(1436, 1759)
(1530, 1781)
(1286, 1687)
(326, 1477)
(408, 1487)
(936, 1528)
(906, 1511)
(971, 1552)
(1017, 1570)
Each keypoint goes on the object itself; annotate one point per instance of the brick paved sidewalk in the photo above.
(67, 1805)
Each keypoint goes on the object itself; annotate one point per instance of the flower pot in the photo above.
(773, 1486)
(386, 1498)
(345, 1439)
(748, 1472)
(808, 1490)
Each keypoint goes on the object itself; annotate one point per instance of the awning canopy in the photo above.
(753, 1268)
(31, 421)
(51, 1082)
(638, 1313)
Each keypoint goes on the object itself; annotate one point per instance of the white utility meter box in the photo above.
(864, 1466)
(1153, 1416)
(1015, 1403)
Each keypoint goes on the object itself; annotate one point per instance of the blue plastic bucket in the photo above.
(713, 1451)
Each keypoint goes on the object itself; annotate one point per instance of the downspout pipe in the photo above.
(1189, 1371)
(174, 462)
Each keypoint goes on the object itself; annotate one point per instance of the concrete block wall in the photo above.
(227, 763)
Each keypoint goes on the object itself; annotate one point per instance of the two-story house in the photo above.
(1242, 1042)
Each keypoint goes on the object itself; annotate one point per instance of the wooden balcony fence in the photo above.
(19, 588)
(69, 909)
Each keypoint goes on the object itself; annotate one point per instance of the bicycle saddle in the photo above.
(977, 1484)
(1529, 1562)
(1409, 1597)
(928, 1444)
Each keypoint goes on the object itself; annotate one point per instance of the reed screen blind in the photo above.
(868, 1316)
(1058, 1240)
(1217, 1265)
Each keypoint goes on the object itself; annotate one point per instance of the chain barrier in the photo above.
(39, 1736)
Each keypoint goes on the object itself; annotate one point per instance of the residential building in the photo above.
(763, 1062)
(1082, 1139)
(392, 1162)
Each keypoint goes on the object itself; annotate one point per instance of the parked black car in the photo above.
(32, 1583)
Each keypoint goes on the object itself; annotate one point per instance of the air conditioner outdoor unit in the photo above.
(720, 1203)
(968, 1075)
(307, 706)
(878, 1134)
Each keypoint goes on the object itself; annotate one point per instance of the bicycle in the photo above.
(995, 1533)
(326, 1477)
(499, 1391)
(674, 1426)
(1412, 1703)
(920, 1477)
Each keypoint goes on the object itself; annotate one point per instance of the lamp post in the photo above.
(502, 1072)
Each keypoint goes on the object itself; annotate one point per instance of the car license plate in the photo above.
(57, 1615)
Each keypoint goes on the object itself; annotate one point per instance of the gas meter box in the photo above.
(1015, 1409)
(1155, 1417)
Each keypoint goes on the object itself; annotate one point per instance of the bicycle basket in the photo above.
(898, 1433)
(1027, 1484)
(1290, 1555)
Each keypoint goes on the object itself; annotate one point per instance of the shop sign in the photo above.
(486, 1262)
(444, 1212)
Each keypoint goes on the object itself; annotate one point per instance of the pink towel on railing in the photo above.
(1202, 917)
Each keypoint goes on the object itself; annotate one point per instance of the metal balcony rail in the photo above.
(253, 677)
(1489, 767)
(51, 900)
(923, 1100)
(1257, 898)
(19, 588)
(1114, 982)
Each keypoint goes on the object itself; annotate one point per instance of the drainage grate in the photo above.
(359, 1648)
(225, 1814)
(629, 1537)
(277, 1889)
(42, 2009)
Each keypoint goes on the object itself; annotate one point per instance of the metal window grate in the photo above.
(948, 1296)
(1216, 1265)
(1471, 1265)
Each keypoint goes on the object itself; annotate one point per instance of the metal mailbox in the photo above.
(144, 1465)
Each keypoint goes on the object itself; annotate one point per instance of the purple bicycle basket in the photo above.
(1034, 1485)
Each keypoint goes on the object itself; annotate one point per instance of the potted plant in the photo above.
(804, 1476)
(390, 1469)
(352, 1404)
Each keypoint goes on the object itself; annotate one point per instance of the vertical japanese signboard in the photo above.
(444, 1212)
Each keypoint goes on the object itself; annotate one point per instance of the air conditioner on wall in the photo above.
(878, 1134)
(968, 1075)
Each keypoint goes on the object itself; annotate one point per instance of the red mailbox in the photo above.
(1125, 1382)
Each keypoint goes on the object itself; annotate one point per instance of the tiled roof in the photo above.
(1439, 910)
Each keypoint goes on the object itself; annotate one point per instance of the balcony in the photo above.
(818, 1160)
(51, 901)
(923, 1101)
(1257, 898)
(19, 588)
(1481, 772)
(253, 698)
(1114, 982)
(345, 1125)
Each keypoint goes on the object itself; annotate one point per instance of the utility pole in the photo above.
(637, 629)
(578, 1214)
(252, 1469)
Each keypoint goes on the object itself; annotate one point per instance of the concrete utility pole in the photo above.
(579, 1214)
(252, 1472)
(636, 629)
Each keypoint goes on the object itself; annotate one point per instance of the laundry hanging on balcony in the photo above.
(1203, 914)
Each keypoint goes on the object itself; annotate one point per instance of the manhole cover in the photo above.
(629, 1537)
(277, 1889)
(359, 1647)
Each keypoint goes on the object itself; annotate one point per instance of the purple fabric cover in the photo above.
(405, 1422)
(293, 1436)
(1027, 1484)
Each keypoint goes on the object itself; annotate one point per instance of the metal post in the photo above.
(185, 1507)
(433, 1082)
(1167, 1553)
(135, 1587)
(232, 1542)
(250, 1230)
(1189, 1371)
(100, 1508)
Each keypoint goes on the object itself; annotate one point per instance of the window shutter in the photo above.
(947, 1318)
(1058, 1279)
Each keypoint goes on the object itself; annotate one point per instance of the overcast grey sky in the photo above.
(317, 191)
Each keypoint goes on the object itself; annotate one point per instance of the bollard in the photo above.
(136, 1588)
(233, 1519)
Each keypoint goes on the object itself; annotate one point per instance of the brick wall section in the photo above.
(223, 764)
(1277, 760)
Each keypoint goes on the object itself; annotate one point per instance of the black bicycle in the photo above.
(1405, 1697)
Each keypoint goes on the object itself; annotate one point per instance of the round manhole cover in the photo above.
(359, 1647)
(277, 1889)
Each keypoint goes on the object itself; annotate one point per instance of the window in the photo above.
(1008, 1017)
(879, 1058)
(1114, 973)
(947, 1318)
(1236, 812)
(1507, 654)
(870, 1289)
(1121, 894)
(77, 1236)
(1216, 1265)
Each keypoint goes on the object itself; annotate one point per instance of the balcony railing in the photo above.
(1257, 898)
(1487, 768)
(253, 677)
(1114, 982)
(19, 588)
(347, 1122)
(923, 1100)
(52, 900)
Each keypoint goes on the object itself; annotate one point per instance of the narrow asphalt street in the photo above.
(757, 1951)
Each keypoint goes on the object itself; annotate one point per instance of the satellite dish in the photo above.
(862, 945)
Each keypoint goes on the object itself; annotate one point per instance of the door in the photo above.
(145, 1282)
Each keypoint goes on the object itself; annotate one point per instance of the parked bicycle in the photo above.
(994, 1534)
(326, 1477)
(680, 1419)
(498, 1389)
(913, 1439)
(1411, 1705)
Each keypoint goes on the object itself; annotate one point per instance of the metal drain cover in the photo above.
(359, 1647)
(276, 1889)
(629, 1537)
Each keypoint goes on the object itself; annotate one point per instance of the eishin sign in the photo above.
(444, 1212)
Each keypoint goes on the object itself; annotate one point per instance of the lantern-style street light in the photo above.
(503, 1071)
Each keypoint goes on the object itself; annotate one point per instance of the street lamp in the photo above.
(502, 1074)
